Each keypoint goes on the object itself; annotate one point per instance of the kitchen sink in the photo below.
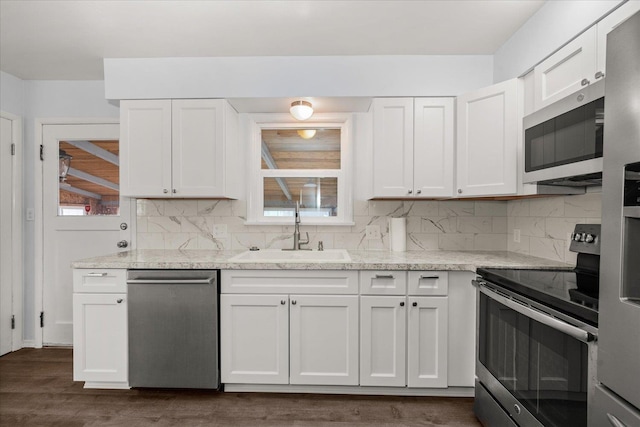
(284, 256)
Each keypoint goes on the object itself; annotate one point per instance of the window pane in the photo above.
(311, 148)
(88, 178)
(318, 197)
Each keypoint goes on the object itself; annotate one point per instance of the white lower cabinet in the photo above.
(383, 342)
(254, 339)
(427, 342)
(289, 339)
(403, 341)
(100, 347)
(324, 339)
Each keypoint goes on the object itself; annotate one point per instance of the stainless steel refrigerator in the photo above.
(617, 396)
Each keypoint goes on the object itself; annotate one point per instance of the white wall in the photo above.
(11, 94)
(48, 100)
(327, 76)
(551, 27)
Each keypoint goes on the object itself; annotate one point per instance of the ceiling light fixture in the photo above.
(306, 133)
(301, 110)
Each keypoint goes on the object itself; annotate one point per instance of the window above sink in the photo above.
(307, 162)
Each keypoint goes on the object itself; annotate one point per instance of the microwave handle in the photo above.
(543, 318)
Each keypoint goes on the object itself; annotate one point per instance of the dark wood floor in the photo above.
(36, 389)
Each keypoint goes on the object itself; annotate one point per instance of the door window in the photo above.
(88, 178)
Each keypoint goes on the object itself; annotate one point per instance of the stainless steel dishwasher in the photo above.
(173, 328)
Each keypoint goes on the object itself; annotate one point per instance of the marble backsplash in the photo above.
(544, 224)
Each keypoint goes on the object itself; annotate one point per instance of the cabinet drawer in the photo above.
(428, 283)
(383, 282)
(289, 281)
(100, 280)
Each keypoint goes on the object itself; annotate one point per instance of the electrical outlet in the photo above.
(31, 214)
(373, 232)
(516, 235)
(219, 230)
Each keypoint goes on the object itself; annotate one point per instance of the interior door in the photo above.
(84, 215)
(6, 220)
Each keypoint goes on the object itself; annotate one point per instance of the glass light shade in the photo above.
(301, 110)
(307, 133)
(64, 162)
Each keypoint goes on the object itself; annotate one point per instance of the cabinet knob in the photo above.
(459, 190)
(283, 302)
(419, 191)
(174, 191)
(293, 302)
(599, 75)
(165, 191)
(410, 191)
(119, 300)
(415, 304)
(401, 303)
(585, 82)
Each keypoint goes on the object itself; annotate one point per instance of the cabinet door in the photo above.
(100, 349)
(427, 342)
(383, 321)
(487, 141)
(324, 340)
(392, 147)
(254, 339)
(198, 147)
(145, 148)
(607, 24)
(564, 72)
(433, 147)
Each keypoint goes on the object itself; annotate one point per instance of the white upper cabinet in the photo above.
(145, 148)
(607, 24)
(487, 141)
(580, 62)
(413, 147)
(566, 71)
(179, 148)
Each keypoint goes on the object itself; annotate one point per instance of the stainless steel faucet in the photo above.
(296, 233)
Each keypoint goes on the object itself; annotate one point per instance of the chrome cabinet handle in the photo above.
(585, 82)
(615, 422)
(97, 274)
(429, 277)
(384, 276)
(599, 75)
(119, 300)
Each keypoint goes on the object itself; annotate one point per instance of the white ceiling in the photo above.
(67, 40)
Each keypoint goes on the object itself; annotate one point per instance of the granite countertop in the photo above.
(360, 260)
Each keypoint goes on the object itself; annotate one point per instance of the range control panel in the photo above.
(586, 239)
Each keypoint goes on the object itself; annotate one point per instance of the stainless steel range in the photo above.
(536, 340)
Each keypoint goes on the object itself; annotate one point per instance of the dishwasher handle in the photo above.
(207, 281)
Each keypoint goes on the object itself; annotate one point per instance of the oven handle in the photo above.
(543, 318)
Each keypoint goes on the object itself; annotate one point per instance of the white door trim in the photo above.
(39, 223)
(18, 222)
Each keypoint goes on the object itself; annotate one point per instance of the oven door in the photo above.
(539, 368)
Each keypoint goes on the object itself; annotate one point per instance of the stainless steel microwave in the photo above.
(563, 142)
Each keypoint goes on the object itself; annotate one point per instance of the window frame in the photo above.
(255, 184)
